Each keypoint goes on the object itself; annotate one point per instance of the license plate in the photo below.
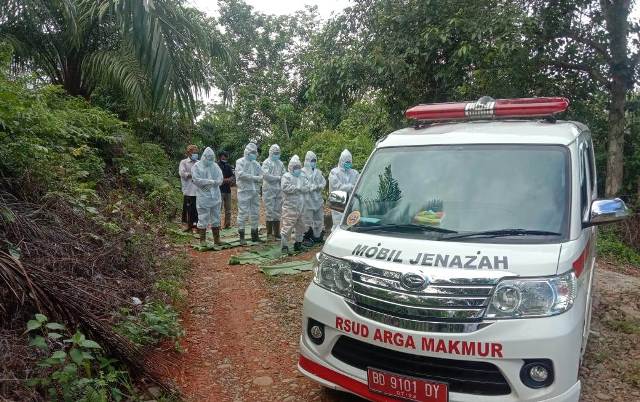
(405, 387)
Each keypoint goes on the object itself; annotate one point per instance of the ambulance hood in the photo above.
(486, 259)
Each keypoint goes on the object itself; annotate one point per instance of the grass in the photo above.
(610, 246)
(631, 373)
(172, 274)
(624, 326)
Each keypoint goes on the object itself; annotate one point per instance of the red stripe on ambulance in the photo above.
(426, 344)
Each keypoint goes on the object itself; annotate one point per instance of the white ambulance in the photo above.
(463, 267)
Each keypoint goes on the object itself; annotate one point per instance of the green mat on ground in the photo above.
(257, 257)
(287, 268)
(229, 239)
(224, 246)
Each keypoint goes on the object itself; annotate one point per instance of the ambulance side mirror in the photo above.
(338, 200)
(607, 211)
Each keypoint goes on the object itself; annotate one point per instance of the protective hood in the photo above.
(294, 162)
(345, 156)
(250, 148)
(308, 157)
(208, 154)
(274, 149)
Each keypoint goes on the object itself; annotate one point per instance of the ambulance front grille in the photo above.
(463, 376)
(379, 295)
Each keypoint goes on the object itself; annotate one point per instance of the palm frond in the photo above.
(172, 43)
(118, 68)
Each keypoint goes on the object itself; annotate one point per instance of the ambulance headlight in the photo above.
(533, 297)
(333, 274)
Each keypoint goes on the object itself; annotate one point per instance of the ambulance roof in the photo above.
(487, 132)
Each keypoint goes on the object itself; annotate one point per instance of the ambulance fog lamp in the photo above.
(315, 330)
(537, 373)
(533, 297)
(333, 274)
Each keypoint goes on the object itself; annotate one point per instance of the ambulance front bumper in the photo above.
(504, 344)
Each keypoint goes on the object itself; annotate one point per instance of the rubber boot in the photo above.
(203, 236)
(308, 241)
(241, 234)
(285, 250)
(254, 236)
(269, 230)
(297, 246)
(319, 239)
(276, 230)
(216, 236)
(308, 235)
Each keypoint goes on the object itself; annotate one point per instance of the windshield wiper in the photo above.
(503, 233)
(410, 226)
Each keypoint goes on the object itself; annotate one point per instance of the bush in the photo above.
(75, 369)
(611, 245)
(153, 323)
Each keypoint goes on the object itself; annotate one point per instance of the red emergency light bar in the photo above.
(488, 108)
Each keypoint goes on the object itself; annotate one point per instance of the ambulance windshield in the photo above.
(465, 189)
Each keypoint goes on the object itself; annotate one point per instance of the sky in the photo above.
(280, 7)
(325, 7)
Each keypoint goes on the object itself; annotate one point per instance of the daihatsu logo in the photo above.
(413, 281)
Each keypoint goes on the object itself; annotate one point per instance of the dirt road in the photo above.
(242, 333)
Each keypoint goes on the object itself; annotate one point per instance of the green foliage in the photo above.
(610, 245)
(172, 272)
(329, 144)
(75, 368)
(158, 54)
(51, 141)
(155, 322)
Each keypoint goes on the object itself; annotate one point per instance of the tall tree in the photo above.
(593, 38)
(411, 51)
(264, 85)
(158, 53)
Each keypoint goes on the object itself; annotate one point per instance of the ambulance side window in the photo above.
(585, 175)
(592, 170)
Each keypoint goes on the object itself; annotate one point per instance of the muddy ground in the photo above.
(242, 332)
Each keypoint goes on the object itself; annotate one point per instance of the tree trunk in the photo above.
(616, 13)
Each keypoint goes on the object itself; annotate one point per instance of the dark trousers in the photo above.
(189, 211)
(226, 206)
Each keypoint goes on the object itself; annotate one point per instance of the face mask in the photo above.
(223, 161)
(347, 165)
(312, 164)
(252, 157)
(296, 172)
(275, 157)
(194, 157)
(208, 162)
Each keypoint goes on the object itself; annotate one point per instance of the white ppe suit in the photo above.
(294, 189)
(248, 181)
(313, 203)
(207, 177)
(342, 179)
(272, 171)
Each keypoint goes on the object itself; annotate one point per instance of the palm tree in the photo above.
(158, 53)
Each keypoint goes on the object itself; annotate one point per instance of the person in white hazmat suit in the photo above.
(313, 203)
(207, 177)
(342, 178)
(294, 188)
(248, 182)
(272, 171)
